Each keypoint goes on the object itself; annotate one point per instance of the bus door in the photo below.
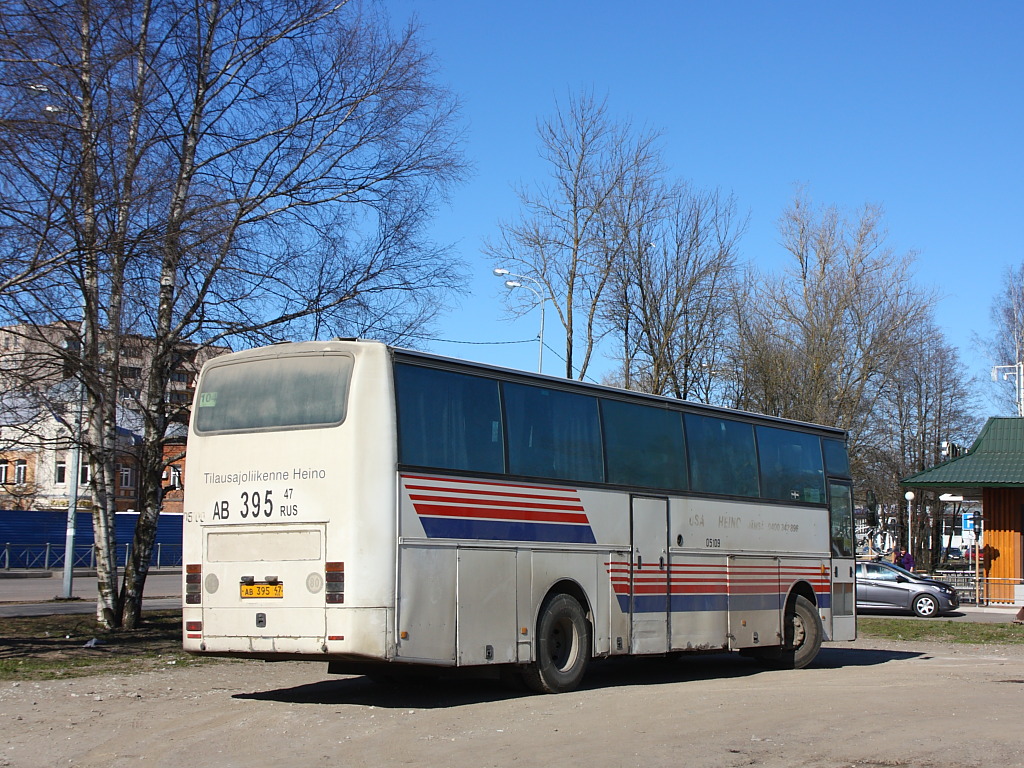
(649, 575)
(844, 620)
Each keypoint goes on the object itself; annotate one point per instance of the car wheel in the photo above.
(926, 606)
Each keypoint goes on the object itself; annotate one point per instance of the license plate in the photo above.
(262, 590)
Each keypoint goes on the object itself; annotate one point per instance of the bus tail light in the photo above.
(193, 584)
(335, 578)
(194, 630)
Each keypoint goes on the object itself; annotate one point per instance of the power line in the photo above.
(458, 341)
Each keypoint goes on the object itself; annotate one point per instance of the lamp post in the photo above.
(517, 283)
(909, 496)
(1017, 371)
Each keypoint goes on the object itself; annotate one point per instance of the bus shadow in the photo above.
(612, 673)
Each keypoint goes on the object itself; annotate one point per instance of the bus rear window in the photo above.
(276, 393)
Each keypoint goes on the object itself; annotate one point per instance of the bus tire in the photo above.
(563, 646)
(802, 635)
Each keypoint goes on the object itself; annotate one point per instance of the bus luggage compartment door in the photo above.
(264, 588)
(755, 602)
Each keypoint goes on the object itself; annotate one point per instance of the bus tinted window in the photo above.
(643, 445)
(553, 434)
(448, 420)
(791, 465)
(842, 520)
(274, 394)
(721, 456)
(836, 460)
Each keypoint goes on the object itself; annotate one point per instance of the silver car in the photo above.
(884, 586)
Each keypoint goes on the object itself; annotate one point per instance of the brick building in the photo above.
(39, 403)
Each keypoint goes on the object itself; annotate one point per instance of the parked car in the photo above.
(954, 553)
(883, 586)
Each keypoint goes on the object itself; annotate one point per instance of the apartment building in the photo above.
(39, 406)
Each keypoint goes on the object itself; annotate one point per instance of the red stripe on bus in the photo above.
(568, 496)
(436, 510)
(487, 482)
(493, 503)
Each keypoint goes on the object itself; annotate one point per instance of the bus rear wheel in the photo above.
(563, 646)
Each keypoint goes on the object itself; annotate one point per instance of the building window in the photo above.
(131, 372)
(84, 475)
(3, 471)
(180, 377)
(20, 472)
(127, 476)
(60, 474)
(175, 476)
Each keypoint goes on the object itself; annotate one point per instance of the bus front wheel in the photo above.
(802, 635)
(563, 646)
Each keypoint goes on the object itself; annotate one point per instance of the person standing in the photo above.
(906, 560)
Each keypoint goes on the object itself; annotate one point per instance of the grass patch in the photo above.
(54, 647)
(941, 631)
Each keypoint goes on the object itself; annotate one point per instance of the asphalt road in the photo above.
(33, 596)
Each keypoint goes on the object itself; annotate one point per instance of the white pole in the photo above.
(1020, 389)
(909, 496)
(540, 339)
(71, 465)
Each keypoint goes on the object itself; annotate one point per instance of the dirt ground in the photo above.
(869, 703)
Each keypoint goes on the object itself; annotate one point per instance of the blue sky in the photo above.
(918, 107)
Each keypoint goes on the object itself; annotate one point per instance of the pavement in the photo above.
(39, 593)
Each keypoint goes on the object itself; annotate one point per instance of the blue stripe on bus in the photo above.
(505, 530)
(710, 602)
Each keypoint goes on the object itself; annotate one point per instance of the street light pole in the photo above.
(516, 283)
(1017, 371)
(909, 496)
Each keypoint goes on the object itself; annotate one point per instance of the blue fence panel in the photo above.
(37, 539)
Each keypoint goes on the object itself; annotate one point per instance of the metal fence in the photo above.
(51, 556)
(982, 590)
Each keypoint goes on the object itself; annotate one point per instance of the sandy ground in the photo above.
(868, 703)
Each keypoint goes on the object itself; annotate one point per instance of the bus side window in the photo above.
(721, 456)
(553, 434)
(791, 465)
(448, 420)
(644, 445)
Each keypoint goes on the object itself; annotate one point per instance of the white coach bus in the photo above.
(384, 510)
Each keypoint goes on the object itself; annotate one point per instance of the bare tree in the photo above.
(835, 323)
(845, 337)
(670, 299)
(1007, 344)
(568, 237)
(925, 403)
(228, 172)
